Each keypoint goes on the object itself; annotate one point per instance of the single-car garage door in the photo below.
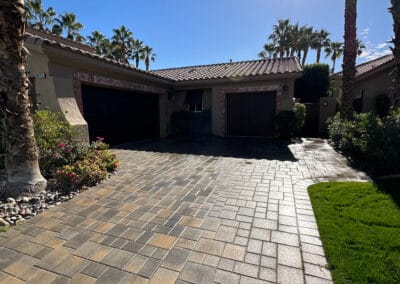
(120, 116)
(251, 114)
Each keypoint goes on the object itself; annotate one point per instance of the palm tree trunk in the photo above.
(281, 51)
(333, 65)
(137, 61)
(147, 64)
(395, 11)
(21, 152)
(292, 52)
(349, 58)
(319, 54)
(304, 56)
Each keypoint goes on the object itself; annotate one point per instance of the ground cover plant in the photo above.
(359, 224)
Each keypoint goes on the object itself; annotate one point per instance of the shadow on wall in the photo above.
(246, 148)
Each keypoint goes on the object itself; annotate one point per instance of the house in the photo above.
(373, 85)
(106, 98)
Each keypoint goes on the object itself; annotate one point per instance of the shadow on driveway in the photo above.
(247, 148)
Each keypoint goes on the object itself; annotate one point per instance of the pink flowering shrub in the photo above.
(65, 160)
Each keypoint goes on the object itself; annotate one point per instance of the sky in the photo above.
(196, 32)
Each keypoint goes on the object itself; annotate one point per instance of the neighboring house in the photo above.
(373, 85)
(122, 103)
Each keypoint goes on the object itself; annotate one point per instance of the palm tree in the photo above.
(68, 22)
(137, 51)
(294, 36)
(395, 11)
(99, 42)
(305, 41)
(280, 36)
(349, 59)
(148, 55)
(122, 41)
(334, 50)
(21, 158)
(37, 16)
(321, 40)
(269, 51)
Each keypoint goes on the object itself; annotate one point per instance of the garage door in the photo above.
(251, 114)
(120, 116)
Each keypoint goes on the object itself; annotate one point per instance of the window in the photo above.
(194, 100)
(32, 94)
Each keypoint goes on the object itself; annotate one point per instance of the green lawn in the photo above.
(359, 225)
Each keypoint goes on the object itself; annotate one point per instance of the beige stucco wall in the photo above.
(373, 86)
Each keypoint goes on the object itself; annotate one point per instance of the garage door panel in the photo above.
(120, 116)
(251, 114)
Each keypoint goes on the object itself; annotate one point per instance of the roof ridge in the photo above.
(224, 63)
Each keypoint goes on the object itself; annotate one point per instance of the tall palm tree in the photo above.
(122, 41)
(349, 59)
(334, 50)
(21, 158)
(99, 42)
(269, 51)
(68, 22)
(37, 16)
(395, 11)
(280, 35)
(321, 40)
(306, 39)
(294, 36)
(148, 55)
(137, 51)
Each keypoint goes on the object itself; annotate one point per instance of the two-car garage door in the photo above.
(120, 116)
(251, 114)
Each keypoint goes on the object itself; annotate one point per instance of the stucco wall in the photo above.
(373, 85)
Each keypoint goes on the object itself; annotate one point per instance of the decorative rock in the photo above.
(11, 200)
(4, 223)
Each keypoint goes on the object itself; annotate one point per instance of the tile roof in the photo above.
(365, 68)
(191, 73)
(33, 35)
(232, 70)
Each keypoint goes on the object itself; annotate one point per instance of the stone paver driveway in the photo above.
(223, 211)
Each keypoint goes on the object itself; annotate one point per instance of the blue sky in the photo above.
(193, 32)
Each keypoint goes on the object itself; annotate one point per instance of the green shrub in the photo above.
(300, 111)
(286, 124)
(314, 83)
(55, 140)
(66, 160)
(369, 140)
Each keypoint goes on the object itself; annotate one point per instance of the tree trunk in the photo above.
(137, 62)
(147, 64)
(319, 54)
(395, 11)
(304, 56)
(21, 158)
(349, 58)
(333, 65)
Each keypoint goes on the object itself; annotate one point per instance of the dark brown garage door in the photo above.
(251, 114)
(120, 116)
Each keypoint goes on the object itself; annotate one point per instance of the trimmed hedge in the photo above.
(314, 83)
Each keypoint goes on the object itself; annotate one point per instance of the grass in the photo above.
(359, 225)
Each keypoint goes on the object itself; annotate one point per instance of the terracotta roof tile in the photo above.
(232, 70)
(32, 35)
(364, 68)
